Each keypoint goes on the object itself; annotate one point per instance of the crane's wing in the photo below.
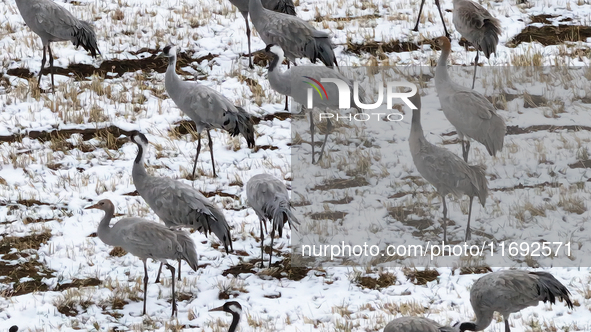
(474, 103)
(407, 324)
(149, 239)
(55, 19)
(471, 16)
(261, 190)
(289, 31)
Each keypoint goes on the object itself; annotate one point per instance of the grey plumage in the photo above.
(268, 197)
(53, 23)
(448, 173)
(479, 28)
(206, 107)
(146, 239)
(468, 111)
(289, 82)
(295, 36)
(176, 203)
(280, 6)
(510, 291)
(234, 308)
(416, 324)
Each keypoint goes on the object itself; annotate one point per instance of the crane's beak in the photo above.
(92, 207)
(217, 309)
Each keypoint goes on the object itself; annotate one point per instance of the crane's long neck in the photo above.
(235, 321)
(280, 80)
(139, 170)
(172, 81)
(441, 75)
(483, 320)
(417, 138)
(104, 230)
(255, 9)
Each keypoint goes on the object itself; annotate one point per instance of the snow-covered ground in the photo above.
(539, 183)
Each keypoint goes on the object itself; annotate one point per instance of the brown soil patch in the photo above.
(384, 280)
(551, 35)
(77, 283)
(342, 183)
(420, 277)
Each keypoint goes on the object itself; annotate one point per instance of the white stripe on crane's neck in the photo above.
(235, 309)
(277, 50)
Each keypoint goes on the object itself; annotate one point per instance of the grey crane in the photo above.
(280, 6)
(416, 324)
(474, 23)
(176, 203)
(206, 107)
(448, 173)
(234, 308)
(295, 36)
(53, 23)
(510, 291)
(146, 239)
(290, 83)
(468, 111)
(13, 328)
(268, 197)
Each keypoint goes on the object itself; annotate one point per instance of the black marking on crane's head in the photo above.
(268, 48)
(139, 138)
(13, 328)
(169, 51)
(232, 307)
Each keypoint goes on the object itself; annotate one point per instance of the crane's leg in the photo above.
(51, 67)
(442, 21)
(158, 275)
(468, 232)
(262, 242)
(419, 17)
(475, 66)
(194, 168)
(179, 269)
(444, 219)
(211, 151)
(42, 65)
(286, 97)
(171, 268)
(328, 130)
(507, 329)
(272, 238)
(312, 133)
(145, 285)
(248, 38)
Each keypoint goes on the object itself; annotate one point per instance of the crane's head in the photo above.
(465, 327)
(103, 204)
(443, 42)
(168, 51)
(139, 138)
(14, 328)
(231, 307)
(275, 49)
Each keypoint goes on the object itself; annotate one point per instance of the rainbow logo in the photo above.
(315, 87)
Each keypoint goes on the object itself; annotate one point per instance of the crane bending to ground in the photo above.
(206, 107)
(447, 172)
(53, 23)
(146, 239)
(416, 324)
(510, 291)
(177, 203)
(469, 112)
(268, 197)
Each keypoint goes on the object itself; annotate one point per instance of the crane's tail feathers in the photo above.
(286, 7)
(282, 214)
(85, 37)
(492, 31)
(243, 124)
(479, 181)
(496, 135)
(321, 48)
(189, 254)
(549, 289)
(220, 228)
